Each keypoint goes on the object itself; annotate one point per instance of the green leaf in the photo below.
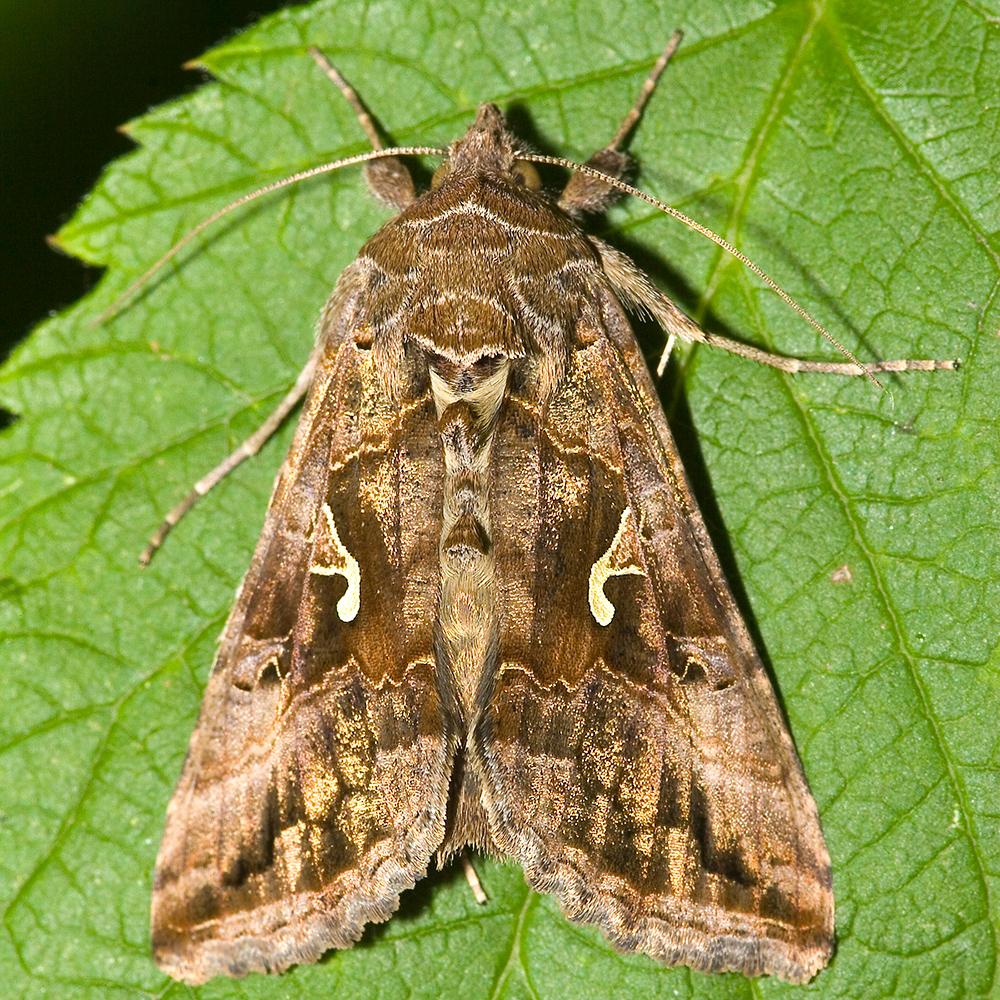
(851, 148)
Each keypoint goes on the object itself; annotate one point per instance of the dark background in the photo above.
(71, 71)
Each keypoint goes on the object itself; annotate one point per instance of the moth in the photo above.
(485, 612)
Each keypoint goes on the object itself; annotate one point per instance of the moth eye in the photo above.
(440, 175)
(525, 175)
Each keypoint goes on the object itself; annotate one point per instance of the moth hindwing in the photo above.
(484, 611)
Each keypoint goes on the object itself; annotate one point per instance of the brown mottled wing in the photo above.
(639, 770)
(316, 782)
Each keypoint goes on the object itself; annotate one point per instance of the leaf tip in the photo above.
(55, 241)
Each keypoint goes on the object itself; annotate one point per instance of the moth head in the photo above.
(487, 147)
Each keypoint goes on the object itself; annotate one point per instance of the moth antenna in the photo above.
(296, 178)
(710, 234)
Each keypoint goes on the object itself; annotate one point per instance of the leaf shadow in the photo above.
(413, 904)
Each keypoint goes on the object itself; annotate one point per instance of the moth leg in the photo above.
(636, 291)
(478, 893)
(587, 194)
(250, 446)
(388, 179)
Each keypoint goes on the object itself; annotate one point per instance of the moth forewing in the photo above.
(484, 612)
(315, 787)
(638, 765)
